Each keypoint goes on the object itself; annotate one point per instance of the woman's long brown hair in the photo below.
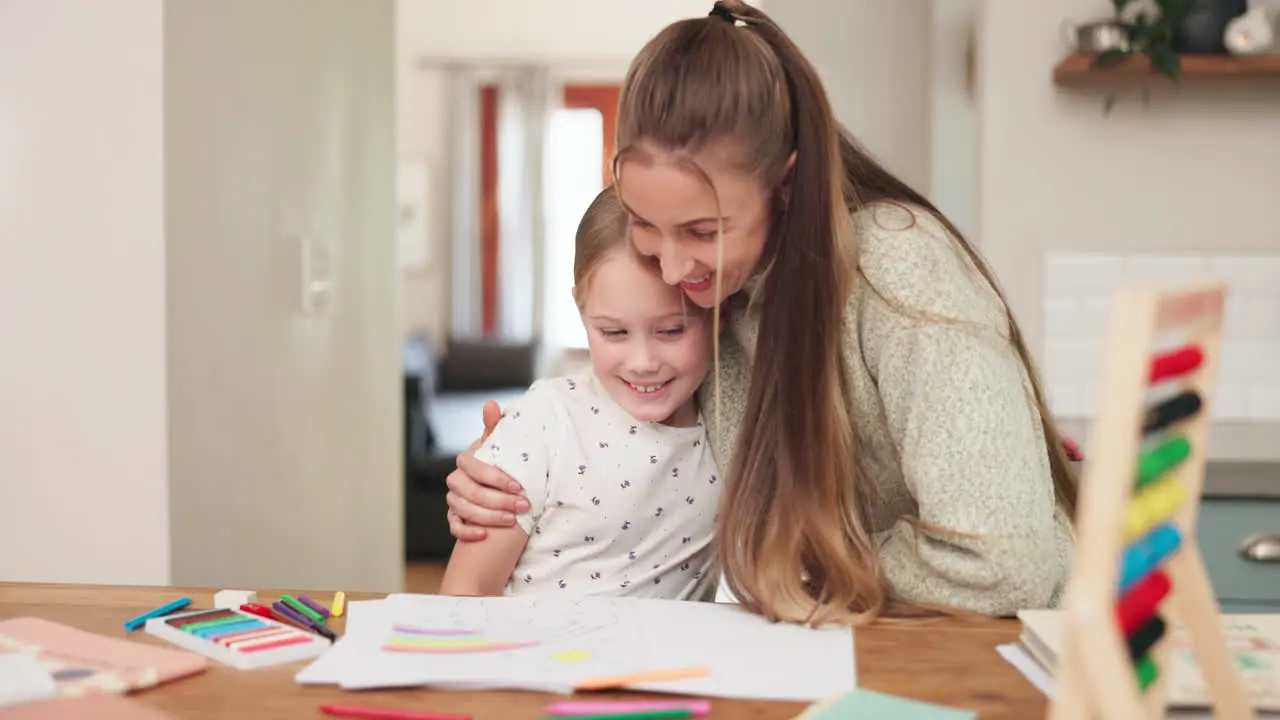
(794, 524)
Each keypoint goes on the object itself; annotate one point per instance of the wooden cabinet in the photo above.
(1242, 585)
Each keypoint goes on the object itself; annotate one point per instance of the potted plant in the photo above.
(1150, 35)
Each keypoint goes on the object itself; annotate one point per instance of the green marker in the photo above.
(302, 608)
(230, 620)
(671, 714)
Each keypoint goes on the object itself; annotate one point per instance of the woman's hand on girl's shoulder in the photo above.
(480, 495)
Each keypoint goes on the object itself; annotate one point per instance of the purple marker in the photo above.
(320, 610)
(305, 622)
(290, 613)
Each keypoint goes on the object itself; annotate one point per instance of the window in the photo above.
(604, 100)
(575, 154)
(578, 164)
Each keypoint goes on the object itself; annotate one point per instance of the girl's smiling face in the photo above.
(649, 350)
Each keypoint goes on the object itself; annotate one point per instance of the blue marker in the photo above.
(139, 621)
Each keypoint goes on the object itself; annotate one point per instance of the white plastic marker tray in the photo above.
(250, 642)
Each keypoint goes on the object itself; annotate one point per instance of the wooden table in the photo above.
(950, 662)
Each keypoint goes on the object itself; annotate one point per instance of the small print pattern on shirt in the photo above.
(618, 507)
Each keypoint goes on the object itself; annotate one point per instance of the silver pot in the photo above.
(1097, 36)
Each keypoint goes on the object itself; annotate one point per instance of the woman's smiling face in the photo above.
(674, 215)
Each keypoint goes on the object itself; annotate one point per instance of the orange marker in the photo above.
(617, 681)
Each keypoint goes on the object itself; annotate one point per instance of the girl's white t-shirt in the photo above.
(618, 507)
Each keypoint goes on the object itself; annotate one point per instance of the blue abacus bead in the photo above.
(1147, 553)
(1165, 540)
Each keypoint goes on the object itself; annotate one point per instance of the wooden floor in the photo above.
(423, 578)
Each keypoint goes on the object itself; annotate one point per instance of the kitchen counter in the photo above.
(1242, 479)
(1235, 479)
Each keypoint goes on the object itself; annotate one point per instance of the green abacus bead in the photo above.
(1147, 672)
(1154, 463)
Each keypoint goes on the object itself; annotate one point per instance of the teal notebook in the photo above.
(865, 705)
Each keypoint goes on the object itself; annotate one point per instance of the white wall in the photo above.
(953, 143)
(83, 494)
(874, 57)
(167, 411)
(1192, 177)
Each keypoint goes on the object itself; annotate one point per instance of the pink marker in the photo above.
(696, 708)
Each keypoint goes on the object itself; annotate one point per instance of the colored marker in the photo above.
(609, 683)
(257, 609)
(290, 612)
(227, 620)
(205, 630)
(385, 713)
(324, 631)
(303, 623)
(339, 604)
(579, 710)
(301, 608)
(288, 621)
(317, 607)
(670, 714)
(139, 621)
(281, 613)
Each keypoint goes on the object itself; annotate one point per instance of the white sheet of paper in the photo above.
(327, 669)
(23, 679)
(1022, 661)
(724, 594)
(753, 658)
(579, 639)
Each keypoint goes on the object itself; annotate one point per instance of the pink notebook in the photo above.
(85, 663)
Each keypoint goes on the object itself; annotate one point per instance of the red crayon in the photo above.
(385, 713)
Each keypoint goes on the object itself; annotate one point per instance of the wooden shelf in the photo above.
(1077, 70)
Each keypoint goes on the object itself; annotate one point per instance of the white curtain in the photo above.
(526, 98)
(462, 96)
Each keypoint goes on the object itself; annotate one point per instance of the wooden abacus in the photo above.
(1138, 572)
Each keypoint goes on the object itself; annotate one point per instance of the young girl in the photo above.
(621, 484)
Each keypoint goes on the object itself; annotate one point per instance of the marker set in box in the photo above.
(237, 638)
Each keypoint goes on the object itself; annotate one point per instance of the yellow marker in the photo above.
(571, 656)
(1151, 506)
(339, 605)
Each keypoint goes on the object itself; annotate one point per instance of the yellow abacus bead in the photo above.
(1152, 505)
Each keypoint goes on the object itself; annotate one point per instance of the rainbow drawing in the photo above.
(406, 638)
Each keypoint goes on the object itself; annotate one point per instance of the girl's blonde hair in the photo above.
(601, 231)
(795, 543)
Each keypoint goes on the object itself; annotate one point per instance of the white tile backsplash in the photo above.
(1078, 292)
(1263, 402)
(1164, 269)
(1081, 275)
(1247, 273)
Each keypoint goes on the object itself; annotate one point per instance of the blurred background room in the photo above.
(263, 261)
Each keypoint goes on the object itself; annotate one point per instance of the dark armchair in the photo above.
(443, 402)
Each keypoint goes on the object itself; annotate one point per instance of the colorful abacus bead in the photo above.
(1152, 535)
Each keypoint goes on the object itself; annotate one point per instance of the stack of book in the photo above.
(1253, 639)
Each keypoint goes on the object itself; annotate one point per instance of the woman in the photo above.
(874, 408)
